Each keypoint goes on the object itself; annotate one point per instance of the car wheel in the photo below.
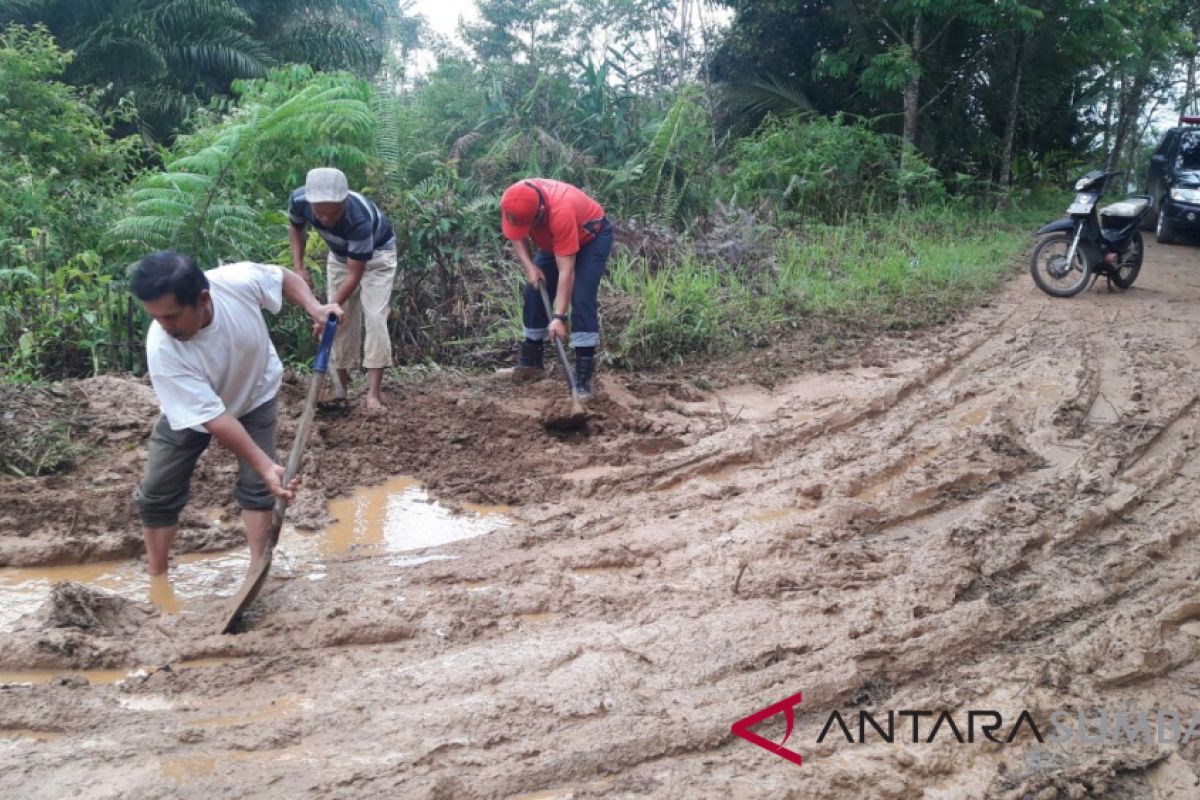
(1164, 231)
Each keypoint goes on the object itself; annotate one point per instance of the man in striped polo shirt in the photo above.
(360, 271)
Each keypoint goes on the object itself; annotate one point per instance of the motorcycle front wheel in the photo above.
(1131, 263)
(1050, 270)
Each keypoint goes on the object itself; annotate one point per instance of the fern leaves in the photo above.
(657, 182)
(200, 202)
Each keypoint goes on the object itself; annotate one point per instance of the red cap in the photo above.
(518, 207)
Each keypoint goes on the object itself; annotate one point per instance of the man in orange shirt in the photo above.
(573, 239)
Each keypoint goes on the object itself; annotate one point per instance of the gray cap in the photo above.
(325, 185)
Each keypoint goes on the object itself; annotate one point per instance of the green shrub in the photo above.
(802, 168)
(59, 315)
(685, 307)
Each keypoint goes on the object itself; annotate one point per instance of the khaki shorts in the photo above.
(368, 307)
(171, 457)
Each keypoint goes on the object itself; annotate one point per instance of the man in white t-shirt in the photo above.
(216, 373)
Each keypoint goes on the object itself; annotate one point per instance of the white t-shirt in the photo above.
(229, 366)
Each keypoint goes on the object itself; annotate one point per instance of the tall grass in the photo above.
(688, 307)
(896, 271)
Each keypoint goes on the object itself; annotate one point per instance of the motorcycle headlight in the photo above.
(1185, 195)
(1082, 182)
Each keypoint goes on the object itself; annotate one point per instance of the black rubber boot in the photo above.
(529, 361)
(584, 366)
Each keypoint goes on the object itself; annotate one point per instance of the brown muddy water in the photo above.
(397, 521)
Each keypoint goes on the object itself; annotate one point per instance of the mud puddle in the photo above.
(397, 520)
(188, 769)
(100, 677)
(17, 734)
(400, 517)
(194, 575)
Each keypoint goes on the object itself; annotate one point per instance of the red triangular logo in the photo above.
(742, 728)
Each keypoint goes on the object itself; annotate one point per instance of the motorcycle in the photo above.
(1091, 241)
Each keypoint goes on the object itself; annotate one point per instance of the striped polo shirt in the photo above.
(361, 231)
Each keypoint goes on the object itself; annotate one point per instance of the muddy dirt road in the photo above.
(1000, 514)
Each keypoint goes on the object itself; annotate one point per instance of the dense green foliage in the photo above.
(173, 56)
(804, 168)
(800, 161)
(58, 176)
(213, 198)
(893, 272)
(968, 82)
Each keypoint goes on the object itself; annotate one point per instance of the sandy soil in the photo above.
(997, 514)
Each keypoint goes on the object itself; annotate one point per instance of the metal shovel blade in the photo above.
(254, 581)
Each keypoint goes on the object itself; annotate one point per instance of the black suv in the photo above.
(1173, 181)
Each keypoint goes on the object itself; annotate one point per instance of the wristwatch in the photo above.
(562, 317)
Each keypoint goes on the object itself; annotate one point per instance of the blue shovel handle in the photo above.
(321, 364)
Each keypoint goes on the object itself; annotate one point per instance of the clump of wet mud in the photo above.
(73, 605)
(564, 414)
(77, 627)
(86, 513)
(480, 440)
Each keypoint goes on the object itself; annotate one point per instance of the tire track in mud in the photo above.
(1007, 523)
(778, 651)
(1135, 487)
(1091, 388)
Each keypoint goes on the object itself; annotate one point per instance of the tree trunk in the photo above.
(1190, 96)
(1191, 92)
(1110, 101)
(912, 109)
(1010, 128)
(1131, 102)
(684, 24)
(658, 52)
(1131, 165)
(912, 92)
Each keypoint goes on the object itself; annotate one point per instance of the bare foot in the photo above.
(162, 594)
(375, 406)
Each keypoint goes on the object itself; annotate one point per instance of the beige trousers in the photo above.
(367, 307)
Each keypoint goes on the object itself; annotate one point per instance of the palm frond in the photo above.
(763, 95)
(24, 11)
(199, 15)
(330, 42)
(229, 53)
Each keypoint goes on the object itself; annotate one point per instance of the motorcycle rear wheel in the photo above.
(1050, 271)
(1127, 271)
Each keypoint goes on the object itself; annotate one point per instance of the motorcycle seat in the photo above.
(1128, 208)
